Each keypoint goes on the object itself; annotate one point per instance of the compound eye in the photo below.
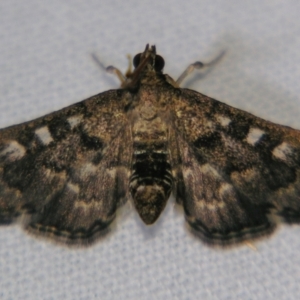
(137, 60)
(159, 63)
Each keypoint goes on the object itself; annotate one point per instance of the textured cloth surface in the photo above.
(45, 64)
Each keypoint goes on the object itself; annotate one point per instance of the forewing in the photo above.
(237, 171)
(67, 171)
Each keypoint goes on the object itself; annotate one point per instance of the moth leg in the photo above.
(197, 65)
(129, 69)
(111, 69)
(250, 245)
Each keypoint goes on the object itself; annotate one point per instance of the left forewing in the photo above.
(67, 171)
(237, 170)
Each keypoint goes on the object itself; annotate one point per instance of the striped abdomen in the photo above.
(151, 179)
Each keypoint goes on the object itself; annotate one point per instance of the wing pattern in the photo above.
(239, 173)
(67, 172)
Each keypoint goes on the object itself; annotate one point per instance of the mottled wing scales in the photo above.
(87, 203)
(238, 170)
(214, 208)
(67, 171)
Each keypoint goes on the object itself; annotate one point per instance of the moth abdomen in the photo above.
(151, 180)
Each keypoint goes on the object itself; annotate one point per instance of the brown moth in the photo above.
(65, 174)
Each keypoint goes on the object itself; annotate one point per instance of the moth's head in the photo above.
(147, 66)
(149, 60)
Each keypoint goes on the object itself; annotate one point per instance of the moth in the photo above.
(64, 175)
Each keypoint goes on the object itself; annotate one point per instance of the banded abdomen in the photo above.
(151, 179)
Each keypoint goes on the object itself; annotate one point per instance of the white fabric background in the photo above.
(45, 65)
